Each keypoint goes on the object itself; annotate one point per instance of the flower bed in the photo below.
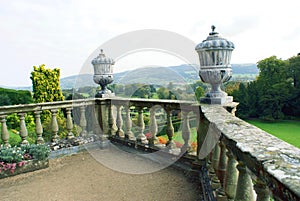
(11, 169)
(26, 158)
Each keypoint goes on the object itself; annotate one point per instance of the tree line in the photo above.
(275, 94)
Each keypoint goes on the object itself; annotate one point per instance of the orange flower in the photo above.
(162, 140)
(194, 146)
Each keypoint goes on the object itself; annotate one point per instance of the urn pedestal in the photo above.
(103, 74)
(215, 69)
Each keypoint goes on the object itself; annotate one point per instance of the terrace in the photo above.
(233, 160)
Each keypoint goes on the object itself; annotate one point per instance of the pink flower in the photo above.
(12, 171)
(20, 164)
(8, 165)
(148, 135)
(13, 166)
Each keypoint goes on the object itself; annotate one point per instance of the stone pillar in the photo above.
(38, 127)
(69, 123)
(262, 191)
(4, 131)
(222, 163)
(216, 157)
(153, 127)
(231, 176)
(23, 129)
(244, 189)
(203, 150)
(186, 131)
(102, 111)
(140, 127)
(170, 130)
(82, 122)
(112, 123)
(128, 123)
(54, 125)
(120, 132)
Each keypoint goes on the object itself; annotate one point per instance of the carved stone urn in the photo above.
(215, 69)
(103, 74)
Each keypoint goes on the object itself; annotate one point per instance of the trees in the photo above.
(294, 98)
(46, 84)
(273, 87)
(14, 97)
(274, 94)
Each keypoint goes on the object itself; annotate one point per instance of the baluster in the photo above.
(95, 123)
(140, 127)
(38, 127)
(186, 131)
(23, 129)
(120, 132)
(244, 189)
(153, 127)
(216, 157)
(128, 123)
(69, 123)
(170, 130)
(262, 191)
(112, 123)
(82, 121)
(5, 134)
(54, 125)
(222, 163)
(231, 176)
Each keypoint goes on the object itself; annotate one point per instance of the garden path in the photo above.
(81, 177)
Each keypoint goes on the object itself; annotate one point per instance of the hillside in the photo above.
(156, 75)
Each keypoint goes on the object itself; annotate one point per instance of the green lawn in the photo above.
(288, 131)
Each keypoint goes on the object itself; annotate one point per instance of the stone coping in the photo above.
(270, 159)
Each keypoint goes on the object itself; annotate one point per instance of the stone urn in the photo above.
(215, 69)
(103, 74)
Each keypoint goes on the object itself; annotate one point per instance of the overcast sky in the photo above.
(64, 33)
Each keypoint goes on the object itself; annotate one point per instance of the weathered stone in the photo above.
(269, 158)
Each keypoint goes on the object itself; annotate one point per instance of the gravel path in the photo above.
(81, 177)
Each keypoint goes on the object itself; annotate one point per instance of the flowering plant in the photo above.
(13, 157)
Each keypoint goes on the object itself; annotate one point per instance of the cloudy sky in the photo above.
(64, 33)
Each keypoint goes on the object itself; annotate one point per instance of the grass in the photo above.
(288, 131)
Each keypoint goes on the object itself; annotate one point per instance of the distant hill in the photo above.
(29, 88)
(152, 75)
(244, 69)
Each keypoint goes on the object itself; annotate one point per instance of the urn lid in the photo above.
(102, 59)
(214, 42)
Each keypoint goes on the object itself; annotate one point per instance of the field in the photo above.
(288, 131)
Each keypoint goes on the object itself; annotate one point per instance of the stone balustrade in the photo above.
(37, 110)
(247, 162)
(241, 161)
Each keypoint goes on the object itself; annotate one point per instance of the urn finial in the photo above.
(214, 55)
(103, 73)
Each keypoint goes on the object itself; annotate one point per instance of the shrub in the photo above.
(25, 152)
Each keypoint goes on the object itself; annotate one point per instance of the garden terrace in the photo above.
(233, 160)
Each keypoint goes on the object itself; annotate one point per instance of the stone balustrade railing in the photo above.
(248, 162)
(243, 161)
(37, 109)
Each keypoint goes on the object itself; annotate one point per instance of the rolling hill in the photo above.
(155, 75)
